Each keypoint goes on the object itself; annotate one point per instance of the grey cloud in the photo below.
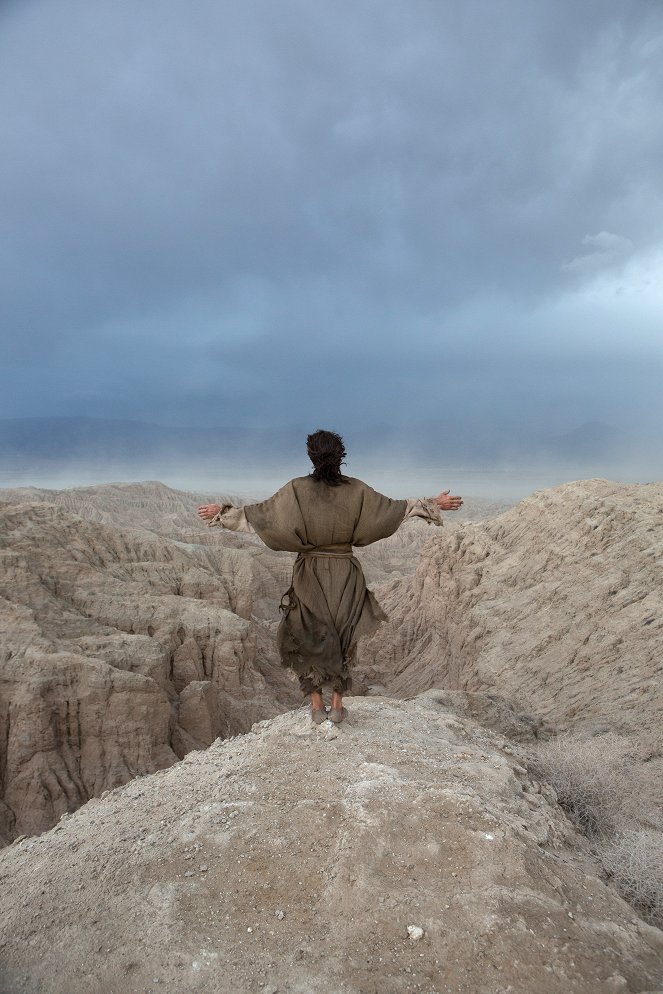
(606, 249)
(271, 212)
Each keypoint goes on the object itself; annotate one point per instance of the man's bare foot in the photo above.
(337, 712)
(317, 701)
(318, 709)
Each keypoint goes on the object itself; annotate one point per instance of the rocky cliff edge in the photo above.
(407, 850)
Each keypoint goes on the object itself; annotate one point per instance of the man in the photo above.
(328, 607)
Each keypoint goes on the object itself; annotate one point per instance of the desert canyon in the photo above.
(172, 820)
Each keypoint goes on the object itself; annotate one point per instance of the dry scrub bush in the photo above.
(614, 798)
(634, 860)
(591, 777)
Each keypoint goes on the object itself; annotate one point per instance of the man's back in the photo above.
(307, 513)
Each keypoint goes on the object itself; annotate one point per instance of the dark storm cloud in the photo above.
(279, 212)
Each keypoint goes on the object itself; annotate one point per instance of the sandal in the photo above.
(319, 715)
(336, 715)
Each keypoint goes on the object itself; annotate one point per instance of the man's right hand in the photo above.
(208, 511)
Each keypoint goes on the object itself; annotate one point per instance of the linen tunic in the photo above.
(328, 607)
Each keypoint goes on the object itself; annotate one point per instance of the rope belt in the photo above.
(341, 551)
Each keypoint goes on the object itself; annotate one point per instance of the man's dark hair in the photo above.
(326, 451)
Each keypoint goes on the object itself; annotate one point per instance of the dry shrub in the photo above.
(591, 777)
(634, 860)
(613, 795)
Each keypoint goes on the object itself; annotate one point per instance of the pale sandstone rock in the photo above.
(72, 728)
(199, 713)
(411, 815)
(555, 606)
(103, 631)
(418, 786)
(149, 505)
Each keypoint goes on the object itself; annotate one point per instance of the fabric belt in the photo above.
(341, 551)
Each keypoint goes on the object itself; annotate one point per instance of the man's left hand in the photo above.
(448, 503)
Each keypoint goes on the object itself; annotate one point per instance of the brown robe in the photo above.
(328, 607)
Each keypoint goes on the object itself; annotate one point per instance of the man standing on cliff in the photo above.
(327, 607)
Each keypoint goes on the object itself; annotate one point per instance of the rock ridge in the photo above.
(556, 605)
(407, 850)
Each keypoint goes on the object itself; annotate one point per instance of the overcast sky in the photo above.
(323, 214)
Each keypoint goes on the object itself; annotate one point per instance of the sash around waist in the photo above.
(342, 550)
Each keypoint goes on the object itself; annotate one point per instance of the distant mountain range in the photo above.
(51, 440)
(74, 438)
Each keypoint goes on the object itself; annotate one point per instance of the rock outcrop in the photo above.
(121, 651)
(149, 505)
(556, 605)
(407, 850)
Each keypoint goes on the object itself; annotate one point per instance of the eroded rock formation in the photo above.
(294, 858)
(121, 651)
(131, 634)
(124, 647)
(556, 605)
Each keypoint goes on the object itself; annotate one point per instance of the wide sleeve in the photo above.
(231, 517)
(379, 517)
(278, 521)
(425, 508)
